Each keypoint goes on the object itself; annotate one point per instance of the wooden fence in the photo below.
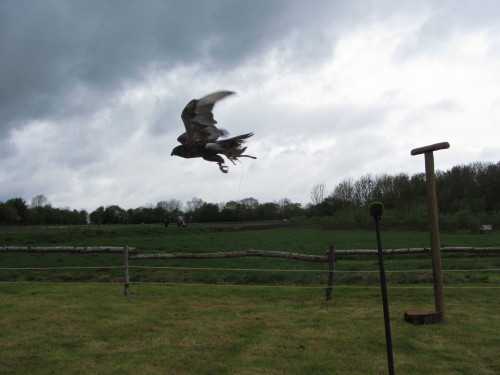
(131, 253)
(66, 249)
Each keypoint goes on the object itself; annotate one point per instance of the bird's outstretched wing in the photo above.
(199, 119)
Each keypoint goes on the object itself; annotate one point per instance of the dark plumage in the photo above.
(201, 137)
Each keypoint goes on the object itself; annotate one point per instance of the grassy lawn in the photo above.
(92, 329)
(258, 318)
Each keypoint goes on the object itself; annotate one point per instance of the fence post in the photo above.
(331, 270)
(126, 279)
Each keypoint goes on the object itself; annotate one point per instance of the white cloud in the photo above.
(332, 91)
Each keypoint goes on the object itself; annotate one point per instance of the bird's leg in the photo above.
(219, 160)
(232, 159)
(223, 168)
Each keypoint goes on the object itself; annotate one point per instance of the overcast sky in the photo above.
(91, 94)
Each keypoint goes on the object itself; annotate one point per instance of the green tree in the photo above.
(8, 214)
(19, 204)
(114, 215)
(268, 211)
(208, 212)
(39, 201)
(97, 216)
(343, 196)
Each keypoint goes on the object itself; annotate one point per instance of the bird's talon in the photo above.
(223, 168)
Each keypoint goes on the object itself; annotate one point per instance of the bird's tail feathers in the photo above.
(244, 136)
(231, 147)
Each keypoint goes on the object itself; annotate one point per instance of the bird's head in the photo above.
(178, 151)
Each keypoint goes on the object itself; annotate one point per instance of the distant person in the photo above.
(181, 222)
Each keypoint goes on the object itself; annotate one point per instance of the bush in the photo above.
(466, 220)
(414, 218)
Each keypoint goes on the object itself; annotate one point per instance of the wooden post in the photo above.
(126, 279)
(434, 222)
(437, 272)
(331, 270)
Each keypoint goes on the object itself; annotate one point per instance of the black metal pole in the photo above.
(376, 210)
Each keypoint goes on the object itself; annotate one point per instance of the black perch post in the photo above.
(376, 210)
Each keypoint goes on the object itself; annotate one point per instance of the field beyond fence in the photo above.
(171, 249)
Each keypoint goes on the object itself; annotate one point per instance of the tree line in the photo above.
(468, 196)
(17, 211)
(197, 210)
(472, 189)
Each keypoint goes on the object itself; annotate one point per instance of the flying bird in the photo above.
(201, 137)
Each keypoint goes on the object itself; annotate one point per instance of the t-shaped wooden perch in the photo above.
(434, 221)
(430, 148)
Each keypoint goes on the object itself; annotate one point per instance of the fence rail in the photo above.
(329, 258)
(307, 257)
(65, 249)
(235, 254)
(423, 250)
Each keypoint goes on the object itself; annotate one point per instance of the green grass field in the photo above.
(267, 320)
(89, 329)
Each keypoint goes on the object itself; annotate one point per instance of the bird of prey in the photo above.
(201, 137)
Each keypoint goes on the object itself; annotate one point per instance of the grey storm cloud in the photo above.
(91, 91)
(449, 20)
(53, 52)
